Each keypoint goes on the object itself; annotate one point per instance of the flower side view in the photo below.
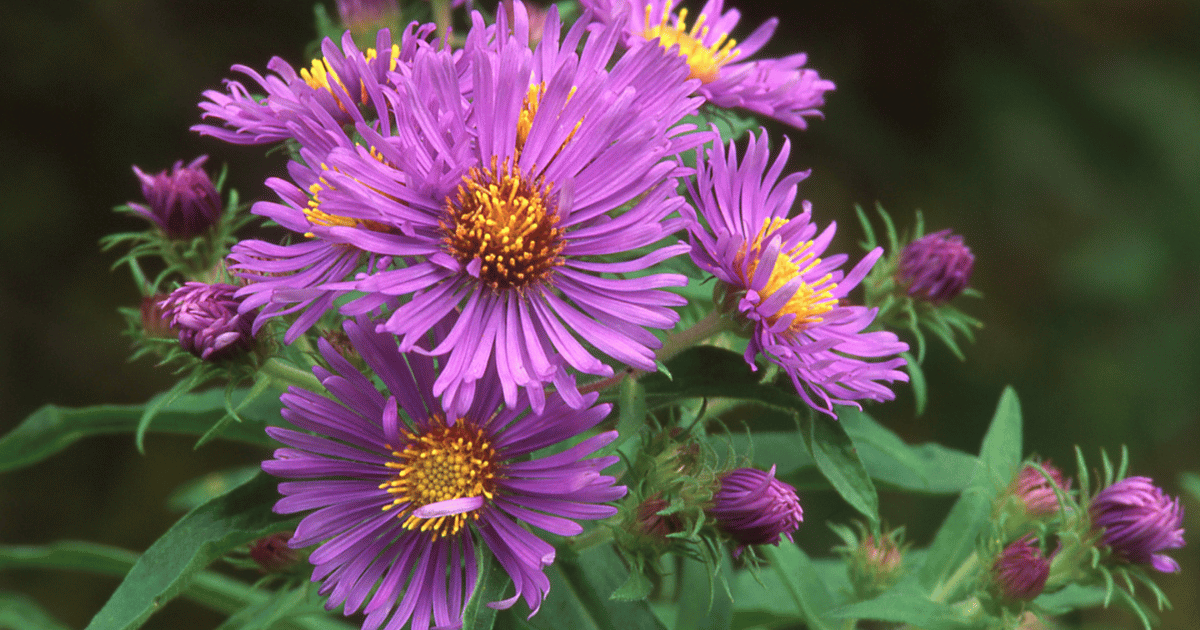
(1138, 521)
(780, 88)
(936, 267)
(516, 208)
(755, 508)
(183, 202)
(208, 321)
(1021, 570)
(403, 494)
(773, 281)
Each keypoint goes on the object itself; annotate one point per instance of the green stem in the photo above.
(947, 588)
(587, 540)
(773, 557)
(675, 343)
(285, 374)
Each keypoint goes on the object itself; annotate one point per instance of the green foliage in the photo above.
(18, 612)
(202, 536)
(52, 428)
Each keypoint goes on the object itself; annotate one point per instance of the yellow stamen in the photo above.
(316, 216)
(443, 463)
(705, 61)
(810, 300)
(508, 222)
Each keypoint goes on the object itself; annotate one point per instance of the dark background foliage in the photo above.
(1061, 139)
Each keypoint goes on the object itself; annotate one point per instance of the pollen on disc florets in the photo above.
(508, 222)
(705, 61)
(442, 463)
(810, 301)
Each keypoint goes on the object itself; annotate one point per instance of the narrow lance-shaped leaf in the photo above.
(203, 535)
(999, 458)
(52, 428)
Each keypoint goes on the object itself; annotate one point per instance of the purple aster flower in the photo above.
(1037, 493)
(343, 87)
(1138, 521)
(183, 203)
(208, 321)
(755, 508)
(1020, 571)
(403, 494)
(774, 282)
(936, 267)
(780, 88)
(497, 206)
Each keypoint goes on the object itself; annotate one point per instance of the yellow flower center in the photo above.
(441, 464)
(705, 61)
(321, 75)
(508, 222)
(810, 300)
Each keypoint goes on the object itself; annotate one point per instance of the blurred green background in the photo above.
(1062, 139)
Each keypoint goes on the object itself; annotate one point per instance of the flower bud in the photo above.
(1138, 520)
(207, 318)
(755, 508)
(876, 563)
(1021, 570)
(651, 523)
(183, 203)
(272, 553)
(155, 322)
(1036, 492)
(936, 267)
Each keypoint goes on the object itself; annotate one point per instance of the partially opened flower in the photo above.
(780, 88)
(1021, 569)
(403, 494)
(516, 208)
(342, 87)
(775, 283)
(207, 318)
(182, 202)
(755, 508)
(1138, 521)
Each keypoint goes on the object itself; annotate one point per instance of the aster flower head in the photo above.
(1021, 570)
(780, 88)
(1036, 492)
(208, 321)
(755, 508)
(774, 281)
(343, 87)
(403, 494)
(182, 202)
(1138, 521)
(498, 207)
(936, 267)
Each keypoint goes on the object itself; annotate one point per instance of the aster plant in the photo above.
(538, 331)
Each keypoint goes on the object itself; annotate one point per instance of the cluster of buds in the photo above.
(1047, 536)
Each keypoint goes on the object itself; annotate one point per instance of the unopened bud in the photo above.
(936, 267)
(183, 203)
(272, 553)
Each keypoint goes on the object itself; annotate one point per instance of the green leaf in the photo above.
(196, 492)
(1071, 597)
(802, 583)
(578, 598)
(212, 590)
(490, 587)
(52, 428)
(916, 380)
(930, 468)
(704, 604)
(999, 458)
(1190, 482)
(631, 413)
(200, 537)
(836, 458)
(18, 612)
(912, 609)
